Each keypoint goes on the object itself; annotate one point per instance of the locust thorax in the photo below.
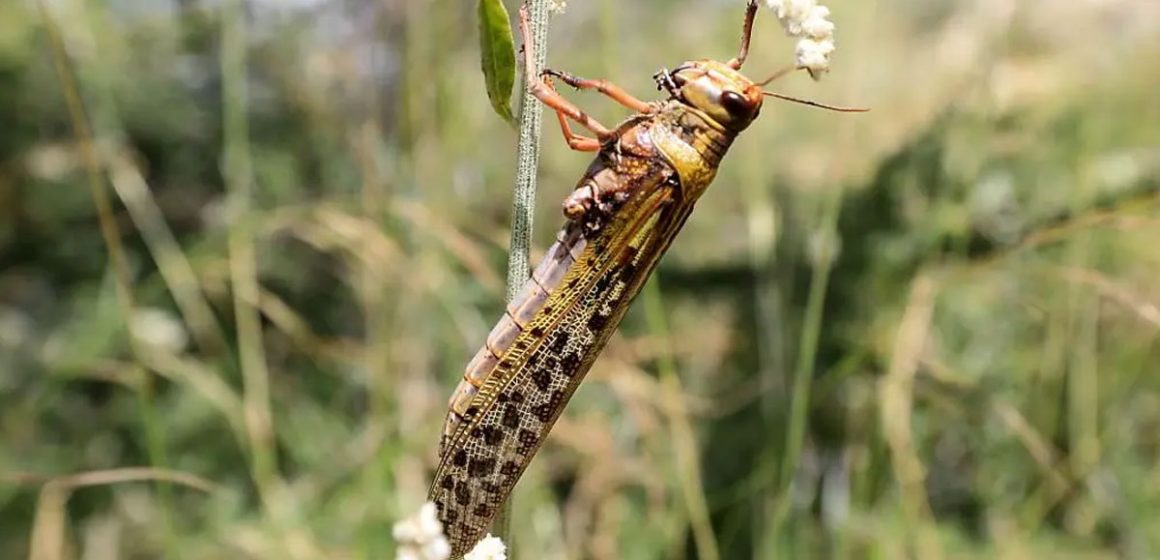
(721, 92)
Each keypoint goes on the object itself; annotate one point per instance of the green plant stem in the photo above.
(243, 274)
(118, 262)
(524, 195)
(684, 440)
(527, 158)
(807, 352)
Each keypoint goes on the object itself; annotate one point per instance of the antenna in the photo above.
(776, 75)
(837, 108)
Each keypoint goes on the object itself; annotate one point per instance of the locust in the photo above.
(623, 214)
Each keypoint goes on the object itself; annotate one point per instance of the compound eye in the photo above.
(735, 103)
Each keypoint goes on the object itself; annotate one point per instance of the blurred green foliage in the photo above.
(965, 276)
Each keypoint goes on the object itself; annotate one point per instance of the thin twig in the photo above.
(524, 195)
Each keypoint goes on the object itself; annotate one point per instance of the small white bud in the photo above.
(814, 56)
(818, 24)
(490, 548)
(420, 537)
(437, 549)
(809, 22)
(157, 327)
(792, 13)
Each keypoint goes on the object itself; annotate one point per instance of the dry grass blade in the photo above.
(203, 379)
(1146, 310)
(175, 268)
(284, 318)
(896, 395)
(48, 541)
(467, 252)
(1038, 447)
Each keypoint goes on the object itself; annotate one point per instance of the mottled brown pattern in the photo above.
(633, 200)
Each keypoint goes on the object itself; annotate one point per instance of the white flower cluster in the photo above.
(420, 537)
(490, 548)
(810, 23)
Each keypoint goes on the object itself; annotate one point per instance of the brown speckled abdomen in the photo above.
(569, 245)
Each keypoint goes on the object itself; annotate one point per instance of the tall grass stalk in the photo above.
(239, 181)
(815, 303)
(684, 439)
(896, 407)
(1083, 310)
(119, 265)
(378, 324)
(806, 354)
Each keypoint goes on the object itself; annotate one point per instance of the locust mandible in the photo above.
(648, 173)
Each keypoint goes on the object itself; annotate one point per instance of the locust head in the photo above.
(719, 90)
(716, 89)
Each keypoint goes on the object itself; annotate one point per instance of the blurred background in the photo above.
(246, 250)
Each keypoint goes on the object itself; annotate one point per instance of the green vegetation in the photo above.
(246, 251)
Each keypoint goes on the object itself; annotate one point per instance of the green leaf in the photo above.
(497, 56)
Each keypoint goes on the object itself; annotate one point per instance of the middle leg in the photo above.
(603, 86)
(575, 141)
(548, 95)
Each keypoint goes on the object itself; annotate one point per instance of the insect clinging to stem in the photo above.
(626, 209)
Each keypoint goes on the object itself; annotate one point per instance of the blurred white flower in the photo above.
(810, 23)
(15, 328)
(557, 6)
(158, 327)
(420, 537)
(490, 548)
(51, 162)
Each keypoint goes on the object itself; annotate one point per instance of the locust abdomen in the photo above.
(537, 290)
